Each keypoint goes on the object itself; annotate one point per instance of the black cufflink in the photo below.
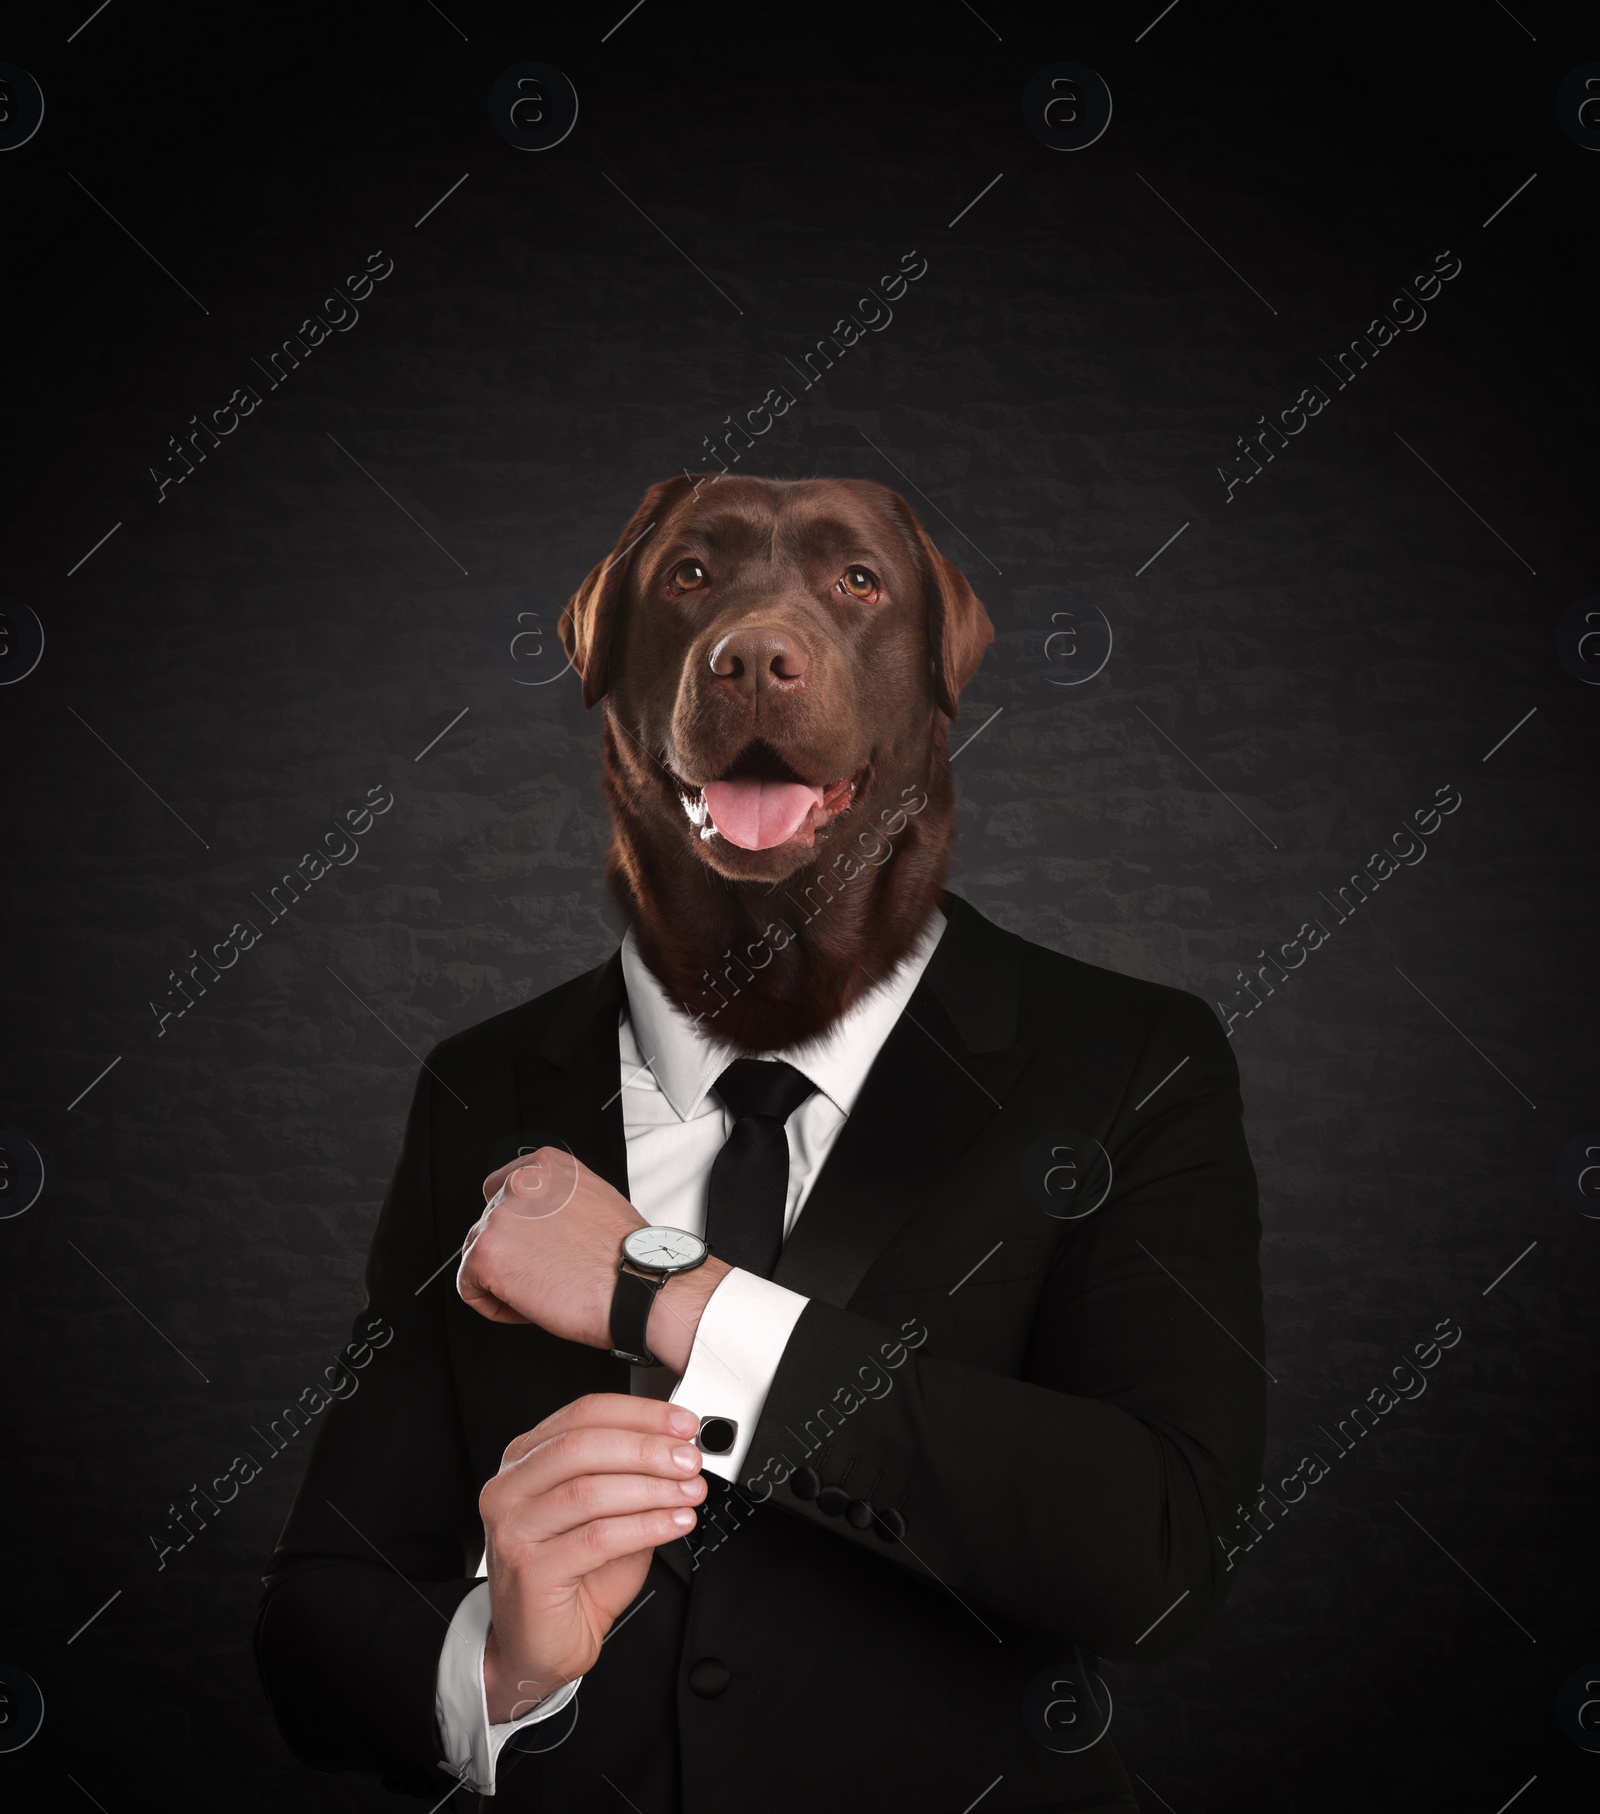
(716, 1435)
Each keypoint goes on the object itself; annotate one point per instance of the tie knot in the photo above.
(763, 1086)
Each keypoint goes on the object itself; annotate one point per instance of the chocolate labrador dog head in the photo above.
(779, 659)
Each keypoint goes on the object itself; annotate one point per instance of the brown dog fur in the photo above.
(768, 948)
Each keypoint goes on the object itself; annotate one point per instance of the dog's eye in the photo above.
(859, 582)
(689, 576)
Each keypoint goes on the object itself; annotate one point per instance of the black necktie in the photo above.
(750, 1176)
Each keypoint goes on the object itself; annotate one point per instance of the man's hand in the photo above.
(570, 1520)
(546, 1250)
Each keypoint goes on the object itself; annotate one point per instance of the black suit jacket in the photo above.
(1073, 1411)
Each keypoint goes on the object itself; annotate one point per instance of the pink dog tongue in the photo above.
(755, 815)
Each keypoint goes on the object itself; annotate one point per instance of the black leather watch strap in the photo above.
(631, 1303)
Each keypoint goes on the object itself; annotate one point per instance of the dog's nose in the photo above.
(758, 657)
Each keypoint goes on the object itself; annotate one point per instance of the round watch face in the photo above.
(663, 1249)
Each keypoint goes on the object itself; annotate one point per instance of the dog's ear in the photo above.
(587, 622)
(959, 629)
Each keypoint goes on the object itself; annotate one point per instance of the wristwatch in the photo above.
(650, 1256)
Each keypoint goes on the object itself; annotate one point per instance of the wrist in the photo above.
(507, 1692)
(675, 1315)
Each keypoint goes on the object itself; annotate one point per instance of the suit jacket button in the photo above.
(805, 1483)
(858, 1514)
(709, 1677)
(832, 1500)
(891, 1525)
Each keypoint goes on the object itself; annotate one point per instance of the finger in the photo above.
(608, 1410)
(542, 1185)
(551, 1161)
(614, 1586)
(488, 1305)
(531, 1157)
(587, 1498)
(496, 1178)
(496, 1182)
(603, 1540)
(472, 1291)
(570, 1453)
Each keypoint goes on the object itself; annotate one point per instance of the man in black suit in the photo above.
(970, 1381)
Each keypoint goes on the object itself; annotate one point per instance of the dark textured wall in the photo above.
(357, 591)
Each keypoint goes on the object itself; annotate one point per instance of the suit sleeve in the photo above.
(383, 1538)
(1084, 1499)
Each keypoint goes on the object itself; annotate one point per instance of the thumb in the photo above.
(477, 1295)
(614, 1586)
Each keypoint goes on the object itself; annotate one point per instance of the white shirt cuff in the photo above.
(743, 1332)
(471, 1745)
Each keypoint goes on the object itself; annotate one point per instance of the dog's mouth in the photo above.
(760, 802)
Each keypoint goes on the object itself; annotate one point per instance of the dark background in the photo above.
(1344, 638)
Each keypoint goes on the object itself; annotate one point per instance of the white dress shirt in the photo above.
(674, 1128)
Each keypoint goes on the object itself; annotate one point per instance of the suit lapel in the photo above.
(567, 1092)
(941, 1076)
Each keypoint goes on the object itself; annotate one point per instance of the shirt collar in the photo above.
(687, 1061)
